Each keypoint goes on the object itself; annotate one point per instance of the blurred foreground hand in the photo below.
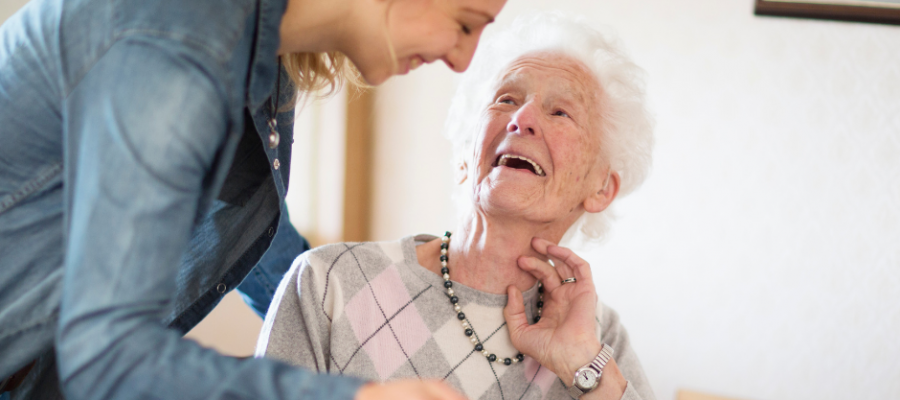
(408, 389)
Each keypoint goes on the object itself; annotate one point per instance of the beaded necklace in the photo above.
(467, 328)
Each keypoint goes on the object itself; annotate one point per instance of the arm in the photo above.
(259, 286)
(626, 361)
(143, 128)
(295, 330)
(567, 337)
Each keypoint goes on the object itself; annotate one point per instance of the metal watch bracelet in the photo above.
(587, 378)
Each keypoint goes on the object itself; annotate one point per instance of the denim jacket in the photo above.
(138, 184)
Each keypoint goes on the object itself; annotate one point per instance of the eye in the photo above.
(465, 29)
(561, 113)
(506, 100)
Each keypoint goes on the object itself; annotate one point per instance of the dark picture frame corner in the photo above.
(871, 11)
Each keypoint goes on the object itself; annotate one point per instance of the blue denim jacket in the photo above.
(138, 184)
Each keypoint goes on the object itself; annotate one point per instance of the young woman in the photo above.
(144, 158)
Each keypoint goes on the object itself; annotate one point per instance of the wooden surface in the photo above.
(691, 395)
(358, 171)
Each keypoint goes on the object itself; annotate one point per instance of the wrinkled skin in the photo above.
(542, 109)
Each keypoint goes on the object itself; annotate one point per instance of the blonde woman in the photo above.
(144, 157)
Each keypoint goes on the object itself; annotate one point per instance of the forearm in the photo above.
(141, 150)
(612, 385)
(155, 362)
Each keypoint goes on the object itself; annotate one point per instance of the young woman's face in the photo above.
(424, 31)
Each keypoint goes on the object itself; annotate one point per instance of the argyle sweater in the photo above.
(370, 310)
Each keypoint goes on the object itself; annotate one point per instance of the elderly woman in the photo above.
(549, 127)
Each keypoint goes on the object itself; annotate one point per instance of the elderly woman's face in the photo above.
(538, 154)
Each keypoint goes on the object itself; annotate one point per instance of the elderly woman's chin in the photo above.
(517, 198)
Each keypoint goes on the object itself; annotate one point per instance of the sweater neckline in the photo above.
(408, 245)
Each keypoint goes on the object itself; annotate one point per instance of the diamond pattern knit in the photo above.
(370, 310)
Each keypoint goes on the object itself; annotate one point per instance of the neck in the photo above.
(484, 252)
(315, 26)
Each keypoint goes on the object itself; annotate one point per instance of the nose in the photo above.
(460, 56)
(525, 120)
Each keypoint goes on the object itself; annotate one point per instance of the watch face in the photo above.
(586, 378)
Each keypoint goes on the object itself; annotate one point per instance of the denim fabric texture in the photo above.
(258, 288)
(138, 187)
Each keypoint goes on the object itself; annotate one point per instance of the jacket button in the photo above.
(276, 164)
(271, 231)
(221, 288)
(274, 139)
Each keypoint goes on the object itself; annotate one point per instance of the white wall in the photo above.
(762, 257)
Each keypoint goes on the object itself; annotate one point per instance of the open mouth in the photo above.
(519, 162)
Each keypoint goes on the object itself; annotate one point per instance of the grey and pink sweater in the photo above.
(370, 310)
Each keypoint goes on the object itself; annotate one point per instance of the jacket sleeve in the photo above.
(144, 126)
(614, 334)
(297, 329)
(259, 286)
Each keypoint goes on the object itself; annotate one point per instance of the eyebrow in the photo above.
(489, 17)
(570, 95)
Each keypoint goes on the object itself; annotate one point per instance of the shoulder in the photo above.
(355, 254)
(611, 330)
(348, 264)
(212, 26)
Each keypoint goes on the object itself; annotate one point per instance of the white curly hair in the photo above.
(624, 121)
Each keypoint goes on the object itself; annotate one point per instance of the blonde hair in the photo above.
(321, 74)
(311, 73)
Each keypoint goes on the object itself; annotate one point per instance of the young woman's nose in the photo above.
(525, 120)
(460, 56)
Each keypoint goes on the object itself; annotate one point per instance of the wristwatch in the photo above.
(587, 378)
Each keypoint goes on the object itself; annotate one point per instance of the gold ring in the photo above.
(567, 280)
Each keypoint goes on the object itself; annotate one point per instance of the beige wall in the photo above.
(9, 7)
(761, 259)
(231, 328)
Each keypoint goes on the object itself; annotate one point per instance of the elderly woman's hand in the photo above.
(565, 339)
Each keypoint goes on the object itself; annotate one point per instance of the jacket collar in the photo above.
(264, 62)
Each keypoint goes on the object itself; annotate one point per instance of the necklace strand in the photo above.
(467, 327)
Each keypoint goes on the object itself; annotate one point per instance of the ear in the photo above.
(600, 200)
(462, 172)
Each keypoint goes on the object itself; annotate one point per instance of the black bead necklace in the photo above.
(467, 328)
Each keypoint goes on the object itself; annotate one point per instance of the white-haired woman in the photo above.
(549, 128)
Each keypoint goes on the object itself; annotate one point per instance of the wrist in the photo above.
(579, 357)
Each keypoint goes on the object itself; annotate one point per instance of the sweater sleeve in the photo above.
(614, 334)
(297, 327)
